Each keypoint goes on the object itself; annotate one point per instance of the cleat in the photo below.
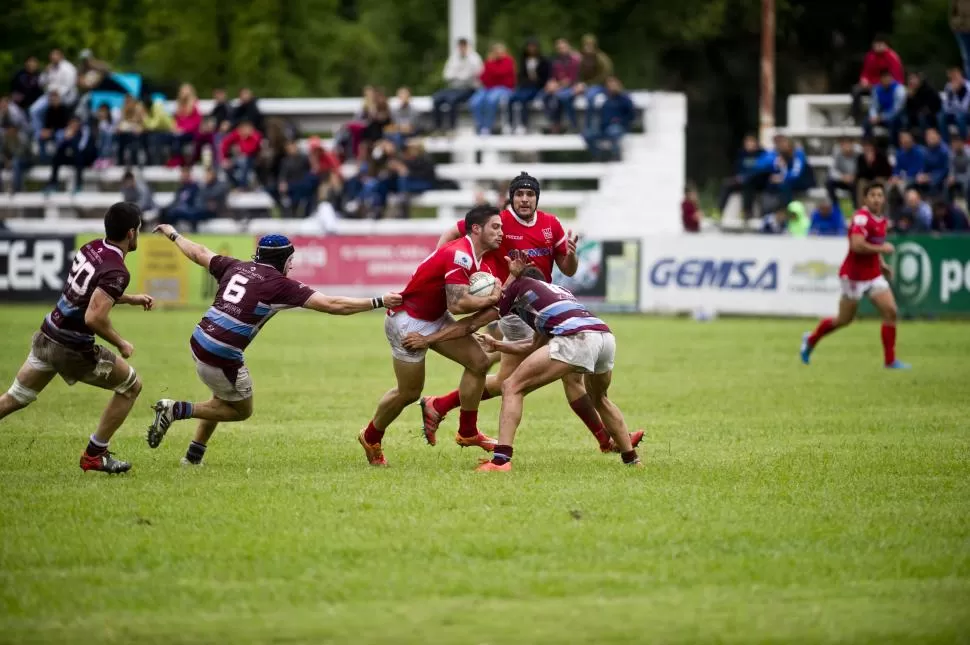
(185, 462)
(484, 442)
(635, 439)
(899, 365)
(806, 350)
(491, 466)
(164, 416)
(430, 419)
(374, 452)
(105, 463)
(635, 464)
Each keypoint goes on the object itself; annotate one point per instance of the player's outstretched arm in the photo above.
(858, 244)
(98, 320)
(460, 301)
(339, 306)
(450, 235)
(520, 347)
(464, 327)
(192, 250)
(143, 300)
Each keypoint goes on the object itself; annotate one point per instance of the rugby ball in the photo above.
(481, 284)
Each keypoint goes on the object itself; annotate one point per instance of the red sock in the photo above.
(888, 334)
(583, 407)
(446, 403)
(486, 395)
(372, 434)
(825, 327)
(468, 423)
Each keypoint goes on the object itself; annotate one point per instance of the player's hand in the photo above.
(496, 295)
(887, 248)
(414, 341)
(571, 242)
(488, 343)
(887, 272)
(144, 300)
(164, 229)
(518, 265)
(392, 300)
(126, 349)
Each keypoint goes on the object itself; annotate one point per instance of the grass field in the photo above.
(780, 503)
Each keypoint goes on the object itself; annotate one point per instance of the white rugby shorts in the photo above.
(399, 324)
(591, 352)
(218, 381)
(514, 328)
(856, 289)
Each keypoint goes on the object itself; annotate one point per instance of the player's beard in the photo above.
(531, 212)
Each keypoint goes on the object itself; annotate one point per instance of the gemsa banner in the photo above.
(932, 274)
(608, 277)
(749, 275)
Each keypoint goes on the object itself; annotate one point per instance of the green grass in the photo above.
(781, 503)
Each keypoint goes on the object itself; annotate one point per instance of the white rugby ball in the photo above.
(481, 284)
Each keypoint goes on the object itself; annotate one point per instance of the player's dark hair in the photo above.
(478, 216)
(120, 218)
(874, 185)
(533, 272)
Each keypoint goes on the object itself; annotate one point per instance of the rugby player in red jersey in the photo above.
(250, 292)
(864, 273)
(538, 237)
(65, 343)
(438, 288)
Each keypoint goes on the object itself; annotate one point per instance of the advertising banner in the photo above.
(33, 267)
(355, 260)
(932, 274)
(608, 277)
(741, 275)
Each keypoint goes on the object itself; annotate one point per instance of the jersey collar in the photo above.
(871, 214)
(471, 247)
(535, 217)
(114, 248)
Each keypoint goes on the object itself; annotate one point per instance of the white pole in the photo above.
(461, 22)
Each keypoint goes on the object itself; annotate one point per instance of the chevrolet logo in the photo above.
(816, 269)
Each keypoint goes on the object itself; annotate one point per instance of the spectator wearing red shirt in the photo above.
(690, 211)
(239, 150)
(326, 166)
(880, 57)
(498, 83)
(188, 121)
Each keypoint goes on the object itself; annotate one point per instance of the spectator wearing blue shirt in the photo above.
(827, 220)
(186, 204)
(886, 107)
(956, 104)
(947, 218)
(745, 178)
(616, 115)
(918, 210)
(790, 172)
(936, 168)
(910, 163)
(78, 148)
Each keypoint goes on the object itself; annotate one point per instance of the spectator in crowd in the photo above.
(947, 218)
(842, 174)
(25, 86)
(910, 163)
(239, 151)
(404, 119)
(873, 165)
(213, 196)
(595, 67)
(13, 114)
(351, 134)
(188, 123)
(247, 109)
(415, 170)
(15, 153)
(690, 210)
(378, 118)
(136, 190)
(616, 115)
(560, 87)
(791, 220)
(158, 132)
(93, 74)
(827, 220)
(917, 209)
(497, 84)
(131, 132)
(272, 150)
(60, 77)
(221, 111)
(78, 148)
(326, 165)
(206, 142)
(56, 117)
(461, 74)
(106, 135)
(746, 179)
(297, 186)
(932, 181)
(534, 73)
(958, 183)
(904, 224)
(923, 104)
(960, 25)
(789, 171)
(956, 104)
(185, 203)
(886, 107)
(879, 59)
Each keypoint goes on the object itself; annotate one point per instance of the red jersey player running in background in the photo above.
(864, 273)
(438, 288)
(537, 237)
(65, 343)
